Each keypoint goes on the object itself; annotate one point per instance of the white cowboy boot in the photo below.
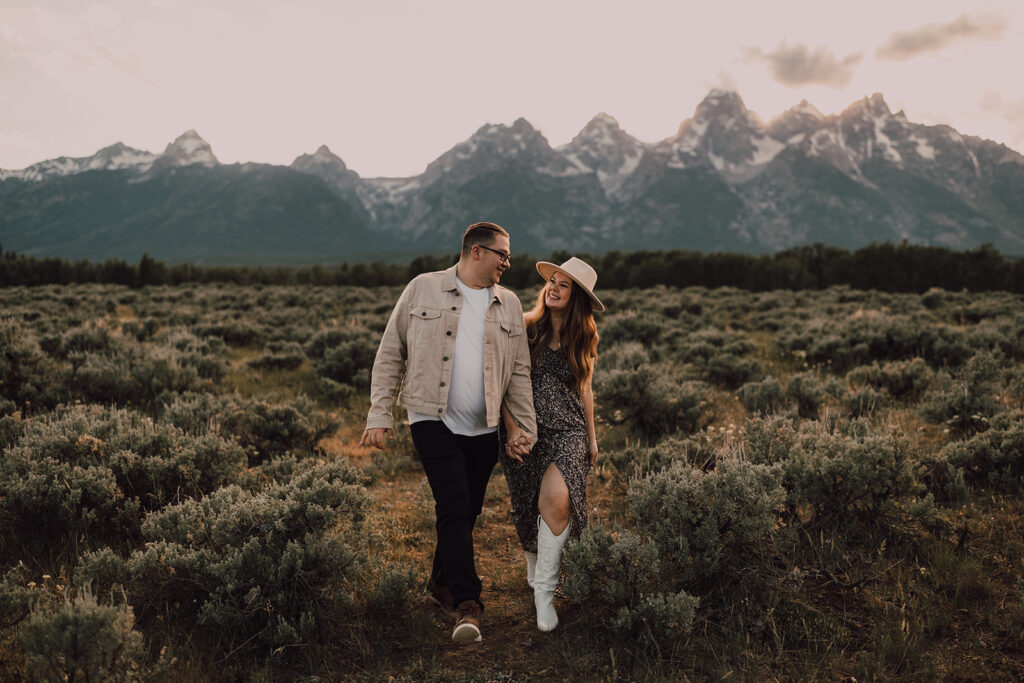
(531, 567)
(549, 561)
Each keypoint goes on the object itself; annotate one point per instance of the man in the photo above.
(458, 339)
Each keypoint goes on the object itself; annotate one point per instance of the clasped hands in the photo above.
(518, 444)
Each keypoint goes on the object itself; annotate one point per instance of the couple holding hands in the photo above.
(481, 381)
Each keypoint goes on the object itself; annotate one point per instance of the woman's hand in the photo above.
(518, 443)
(593, 453)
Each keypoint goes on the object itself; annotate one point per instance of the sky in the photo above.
(391, 85)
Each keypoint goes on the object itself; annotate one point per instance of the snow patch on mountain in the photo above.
(923, 148)
(115, 157)
(603, 148)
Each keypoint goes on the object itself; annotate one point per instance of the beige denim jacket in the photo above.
(419, 341)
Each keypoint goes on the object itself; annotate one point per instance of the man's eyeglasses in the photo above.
(502, 255)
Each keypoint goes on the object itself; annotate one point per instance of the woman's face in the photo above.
(557, 292)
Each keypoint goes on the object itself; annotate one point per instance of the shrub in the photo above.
(249, 572)
(644, 328)
(335, 392)
(625, 356)
(965, 403)
(15, 597)
(28, 378)
(865, 401)
(905, 379)
(807, 389)
(763, 396)
(993, 459)
(349, 363)
(851, 479)
(234, 333)
(638, 460)
(862, 339)
(718, 524)
(263, 429)
(279, 356)
(83, 640)
(650, 401)
(730, 371)
(770, 439)
(132, 374)
(85, 474)
(208, 356)
(616, 581)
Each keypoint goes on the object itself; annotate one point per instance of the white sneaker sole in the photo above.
(465, 634)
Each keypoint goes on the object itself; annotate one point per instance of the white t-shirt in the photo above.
(467, 408)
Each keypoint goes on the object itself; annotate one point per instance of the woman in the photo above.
(548, 487)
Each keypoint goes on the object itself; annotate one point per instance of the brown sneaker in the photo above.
(441, 595)
(467, 627)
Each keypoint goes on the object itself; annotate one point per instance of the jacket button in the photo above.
(424, 314)
(454, 308)
(442, 384)
(440, 410)
(445, 358)
(449, 333)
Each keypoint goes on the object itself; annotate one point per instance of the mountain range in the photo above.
(725, 180)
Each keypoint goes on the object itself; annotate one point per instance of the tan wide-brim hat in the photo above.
(577, 270)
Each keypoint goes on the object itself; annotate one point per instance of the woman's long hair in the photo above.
(578, 335)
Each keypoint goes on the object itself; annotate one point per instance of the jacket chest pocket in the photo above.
(425, 325)
(511, 335)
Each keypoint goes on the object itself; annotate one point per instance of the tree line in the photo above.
(886, 267)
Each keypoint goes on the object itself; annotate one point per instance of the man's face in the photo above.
(494, 259)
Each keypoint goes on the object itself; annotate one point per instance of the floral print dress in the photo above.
(561, 439)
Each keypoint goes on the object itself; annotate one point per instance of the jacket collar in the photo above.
(448, 285)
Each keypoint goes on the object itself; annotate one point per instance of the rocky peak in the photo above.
(491, 147)
(323, 157)
(604, 148)
(801, 119)
(188, 149)
(873, 107)
(720, 104)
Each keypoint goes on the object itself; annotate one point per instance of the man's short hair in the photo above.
(482, 233)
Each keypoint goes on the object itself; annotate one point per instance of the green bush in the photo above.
(867, 338)
(349, 363)
(993, 459)
(86, 474)
(637, 459)
(645, 328)
(249, 572)
(132, 374)
(264, 429)
(28, 377)
(84, 641)
(715, 525)
(809, 391)
(615, 579)
(906, 379)
(865, 401)
(650, 401)
(279, 356)
(762, 397)
(851, 480)
(965, 402)
(16, 597)
(233, 332)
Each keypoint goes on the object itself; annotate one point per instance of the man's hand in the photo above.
(377, 437)
(519, 444)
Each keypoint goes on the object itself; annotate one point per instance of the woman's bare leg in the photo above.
(553, 501)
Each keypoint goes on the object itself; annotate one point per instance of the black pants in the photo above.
(457, 468)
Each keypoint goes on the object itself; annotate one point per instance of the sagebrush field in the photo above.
(792, 486)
